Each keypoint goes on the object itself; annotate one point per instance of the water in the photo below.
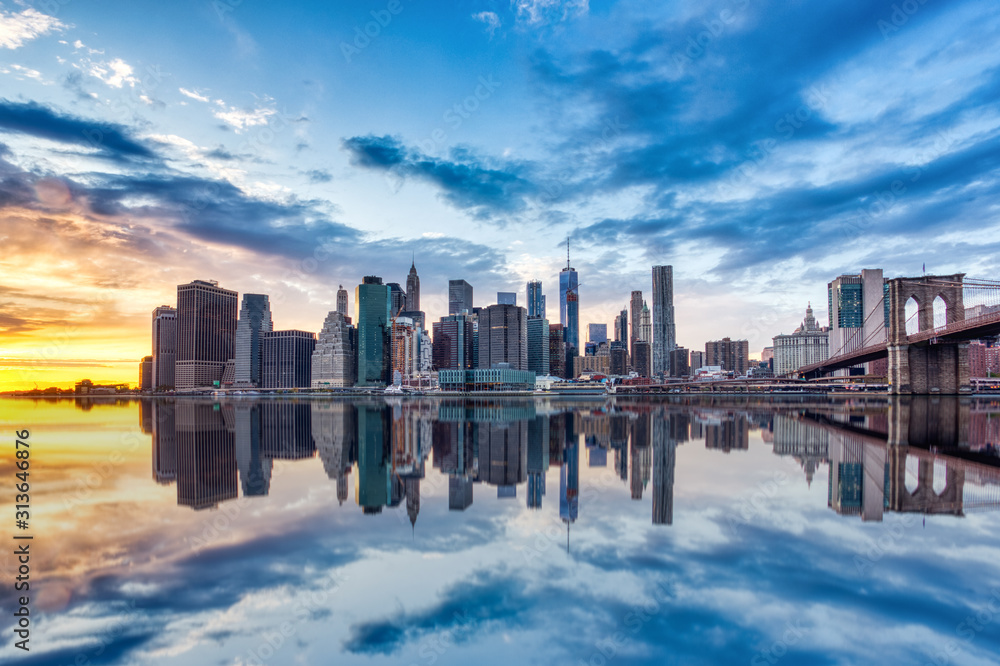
(693, 530)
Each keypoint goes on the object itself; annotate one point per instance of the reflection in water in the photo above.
(880, 456)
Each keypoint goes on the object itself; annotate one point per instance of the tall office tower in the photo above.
(664, 460)
(146, 373)
(334, 360)
(373, 320)
(287, 359)
(453, 342)
(645, 324)
(664, 330)
(621, 326)
(557, 351)
(397, 298)
(597, 333)
(255, 319)
(206, 454)
(506, 298)
(538, 345)
(634, 313)
(503, 336)
(731, 355)
(164, 346)
(569, 306)
(459, 296)
(680, 365)
(536, 303)
(206, 328)
(342, 301)
(642, 358)
(859, 311)
(538, 459)
(405, 343)
(413, 289)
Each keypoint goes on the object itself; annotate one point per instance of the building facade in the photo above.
(146, 374)
(642, 358)
(164, 347)
(342, 301)
(569, 306)
(453, 342)
(334, 360)
(697, 360)
(680, 364)
(413, 289)
(731, 355)
(506, 298)
(287, 359)
(254, 319)
(809, 343)
(538, 345)
(459, 297)
(206, 331)
(372, 301)
(664, 329)
(859, 311)
(634, 312)
(503, 336)
(536, 301)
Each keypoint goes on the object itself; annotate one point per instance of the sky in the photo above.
(761, 148)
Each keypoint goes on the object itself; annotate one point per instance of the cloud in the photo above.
(111, 140)
(490, 19)
(116, 73)
(241, 119)
(485, 188)
(536, 12)
(18, 28)
(318, 176)
(194, 95)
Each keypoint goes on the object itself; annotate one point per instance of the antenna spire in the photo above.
(567, 252)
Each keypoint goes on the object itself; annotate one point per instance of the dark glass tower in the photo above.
(536, 301)
(569, 307)
(206, 328)
(372, 301)
(664, 330)
(255, 319)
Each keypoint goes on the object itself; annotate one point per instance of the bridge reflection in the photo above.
(908, 455)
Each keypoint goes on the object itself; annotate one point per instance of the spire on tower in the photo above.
(567, 252)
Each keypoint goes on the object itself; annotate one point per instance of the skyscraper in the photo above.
(597, 333)
(453, 343)
(413, 289)
(645, 324)
(642, 358)
(664, 330)
(859, 311)
(506, 298)
(342, 301)
(557, 351)
(503, 336)
(538, 345)
(397, 299)
(255, 319)
(536, 302)
(732, 355)
(634, 313)
(621, 326)
(373, 320)
(287, 359)
(334, 360)
(569, 306)
(164, 346)
(146, 373)
(459, 296)
(206, 328)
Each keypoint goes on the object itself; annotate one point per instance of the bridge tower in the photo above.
(928, 366)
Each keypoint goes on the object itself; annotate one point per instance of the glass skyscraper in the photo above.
(372, 301)
(459, 296)
(569, 307)
(255, 318)
(664, 329)
(536, 302)
(164, 346)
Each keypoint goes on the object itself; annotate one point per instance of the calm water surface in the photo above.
(428, 531)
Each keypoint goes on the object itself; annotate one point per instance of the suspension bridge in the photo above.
(924, 333)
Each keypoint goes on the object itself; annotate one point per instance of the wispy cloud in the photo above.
(18, 28)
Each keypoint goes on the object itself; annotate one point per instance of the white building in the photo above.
(808, 344)
(333, 360)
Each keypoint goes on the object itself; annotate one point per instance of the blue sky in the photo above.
(762, 148)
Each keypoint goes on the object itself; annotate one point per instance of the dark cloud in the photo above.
(485, 188)
(318, 176)
(111, 140)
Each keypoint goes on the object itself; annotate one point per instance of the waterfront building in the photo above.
(642, 358)
(372, 301)
(538, 345)
(334, 360)
(503, 337)
(809, 343)
(453, 342)
(254, 320)
(557, 352)
(569, 306)
(146, 373)
(287, 359)
(732, 355)
(697, 360)
(206, 329)
(859, 313)
(164, 347)
(680, 364)
(498, 378)
(664, 328)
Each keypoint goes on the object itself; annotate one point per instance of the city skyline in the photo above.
(294, 166)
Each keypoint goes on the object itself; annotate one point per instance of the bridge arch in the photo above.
(925, 291)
